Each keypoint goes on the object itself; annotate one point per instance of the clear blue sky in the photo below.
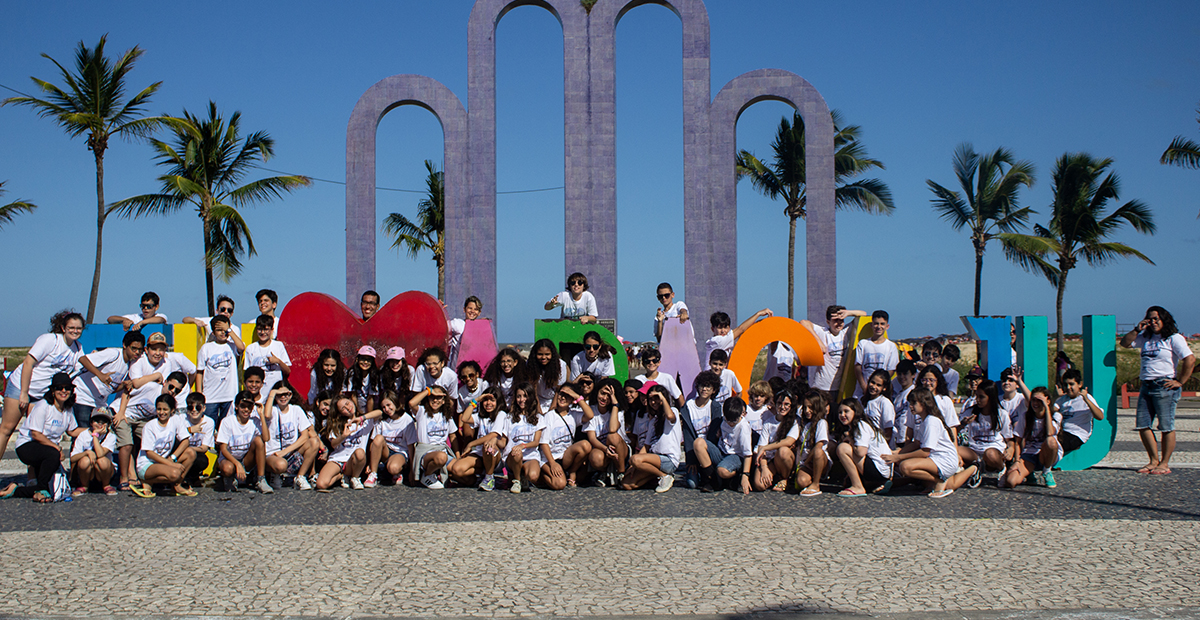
(1117, 80)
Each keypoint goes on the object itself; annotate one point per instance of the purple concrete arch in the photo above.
(603, 19)
(473, 259)
(380, 98)
(715, 271)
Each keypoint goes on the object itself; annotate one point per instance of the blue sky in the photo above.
(1117, 80)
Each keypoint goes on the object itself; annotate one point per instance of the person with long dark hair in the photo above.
(37, 440)
(1167, 364)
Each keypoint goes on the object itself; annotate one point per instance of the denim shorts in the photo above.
(1157, 401)
(730, 462)
(667, 463)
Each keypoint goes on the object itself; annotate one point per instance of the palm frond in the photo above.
(148, 204)
(870, 195)
(1182, 152)
(1029, 252)
(407, 235)
(12, 209)
(949, 205)
(266, 189)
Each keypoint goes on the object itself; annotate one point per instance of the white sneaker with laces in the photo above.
(431, 482)
(302, 484)
(664, 484)
(372, 480)
(264, 487)
(356, 484)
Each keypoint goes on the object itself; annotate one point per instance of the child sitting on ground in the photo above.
(92, 455)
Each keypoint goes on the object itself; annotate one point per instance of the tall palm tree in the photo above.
(93, 102)
(1183, 152)
(988, 202)
(206, 160)
(428, 232)
(1078, 226)
(10, 210)
(785, 178)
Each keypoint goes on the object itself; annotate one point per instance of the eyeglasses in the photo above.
(664, 295)
(147, 306)
(592, 347)
(196, 407)
(370, 303)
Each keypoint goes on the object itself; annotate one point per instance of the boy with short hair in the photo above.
(216, 371)
(202, 437)
(1078, 410)
(91, 455)
(950, 355)
(670, 309)
(147, 316)
(874, 354)
(369, 304)
(730, 386)
(240, 445)
(253, 380)
(696, 418)
(731, 454)
(224, 307)
(723, 337)
(267, 353)
(105, 371)
(906, 376)
(835, 339)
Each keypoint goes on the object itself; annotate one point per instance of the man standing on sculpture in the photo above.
(834, 340)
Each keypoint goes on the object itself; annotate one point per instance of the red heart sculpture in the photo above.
(311, 322)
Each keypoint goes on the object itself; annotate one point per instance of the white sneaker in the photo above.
(264, 487)
(431, 482)
(356, 484)
(302, 484)
(345, 483)
(664, 484)
(372, 480)
(516, 487)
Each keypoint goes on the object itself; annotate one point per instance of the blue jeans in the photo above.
(1157, 401)
(217, 411)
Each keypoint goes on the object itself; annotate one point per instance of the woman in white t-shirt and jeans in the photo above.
(1164, 351)
(52, 353)
(576, 302)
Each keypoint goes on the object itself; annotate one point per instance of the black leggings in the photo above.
(44, 460)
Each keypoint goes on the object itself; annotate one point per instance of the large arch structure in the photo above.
(719, 230)
(386, 95)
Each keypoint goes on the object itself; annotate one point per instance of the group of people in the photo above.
(148, 420)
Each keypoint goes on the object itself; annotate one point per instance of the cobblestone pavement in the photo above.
(638, 566)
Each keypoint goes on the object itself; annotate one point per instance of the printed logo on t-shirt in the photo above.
(224, 359)
(872, 362)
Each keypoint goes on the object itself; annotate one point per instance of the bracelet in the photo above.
(577, 400)
(746, 473)
(475, 403)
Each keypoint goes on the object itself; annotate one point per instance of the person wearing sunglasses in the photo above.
(595, 357)
(670, 309)
(148, 314)
(201, 438)
(576, 302)
(38, 439)
(224, 308)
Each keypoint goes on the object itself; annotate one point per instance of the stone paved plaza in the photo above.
(1107, 543)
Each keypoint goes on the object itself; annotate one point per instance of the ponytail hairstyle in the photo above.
(789, 419)
(531, 412)
(993, 407)
(1031, 417)
(929, 407)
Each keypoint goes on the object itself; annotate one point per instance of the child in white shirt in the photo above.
(92, 455)
(266, 353)
(202, 438)
(724, 336)
(240, 444)
(392, 441)
(731, 455)
(876, 353)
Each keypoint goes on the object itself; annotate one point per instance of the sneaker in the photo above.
(345, 483)
(1037, 477)
(1049, 477)
(230, 485)
(264, 487)
(312, 481)
(976, 478)
(275, 480)
(302, 484)
(371, 481)
(356, 484)
(516, 487)
(664, 484)
(488, 484)
(431, 482)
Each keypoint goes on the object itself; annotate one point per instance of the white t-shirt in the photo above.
(951, 376)
(545, 393)
(666, 381)
(141, 400)
(238, 436)
(1077, 418)
(521, 433)
(258, 355)
(182, 364)
(465, 395)
(601, 367)
(219, 364)
(671, 313)
(456, 327)
(700, 417)
(904, 415)
(946, 406)
(725, 343)
(421, 379)
(160, 439)
(53, 356)
(737, 440)
(600, 424)
(1161, 357)
(780, 364)
(360, 436)
(89, 390)
(484, 427)
(754, 417)
(820, 433)
(84, 442)
(770, 424)
(835, 349)
(205, 437)
(571, 309)
(432, 428)
(558, 432)
(932, 435)
(47, 420)
(876, 446)
(729, 385)
(670, 442)
(874, 357)
(1033, 443)
(980, 433)
(286, 427)
(1013, 407)
(398, 433)
(882, 412)
(136, 317)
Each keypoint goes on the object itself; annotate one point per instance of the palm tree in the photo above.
(988, 201)
(785, 178)
(1183, 152)
(1078, 226)
(206, 160)
(429, 231)
(10, 210)
(93, 103)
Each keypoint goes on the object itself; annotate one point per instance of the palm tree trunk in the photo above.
(208, 275)
(978, 277)
(99, 154)
(1062, 288)
(791, 293)
(441, 265)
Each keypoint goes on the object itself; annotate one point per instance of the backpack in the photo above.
(60, 486)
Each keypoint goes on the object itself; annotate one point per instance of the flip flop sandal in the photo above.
(125, 486)
(809, 493)
(9, 493)
(142, 491)
(79, 491)
(1146, 470)
(1160, 471)
(109, 490)
(884, 488)
(186, 492)
(780, 486)
(42, 497)
(941, 494)
(849, 493)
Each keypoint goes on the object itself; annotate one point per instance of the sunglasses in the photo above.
(585, 382)
(246, 405)
(65, 388)
(225, 309)
(147, 306)
(664, 295)
(469, 375)
(575, 283)
(592, 347)
(653, 360)
(195, 407)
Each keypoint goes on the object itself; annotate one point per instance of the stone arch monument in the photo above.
(589, 75)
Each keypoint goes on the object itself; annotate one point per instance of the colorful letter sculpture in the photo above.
(862, 330)
(478, 343)
(105, 335)
(1100, 379)
(1031, 350)
(314, 321)
(678, 350)
(776, 328)
(560, 331)
(991, 336)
